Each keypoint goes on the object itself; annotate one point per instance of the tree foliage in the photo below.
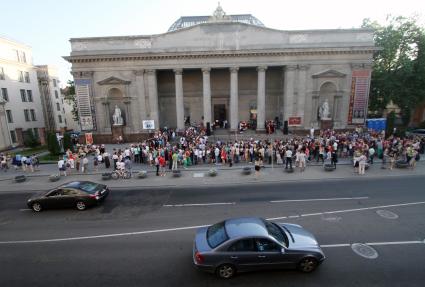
(71, 98)
(67, 143)
(30, 140)
(52, 144)
(398, 68)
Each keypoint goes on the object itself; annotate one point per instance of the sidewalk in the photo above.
(198, 176)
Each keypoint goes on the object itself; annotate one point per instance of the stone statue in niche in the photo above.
(117, 117)
(324, 110)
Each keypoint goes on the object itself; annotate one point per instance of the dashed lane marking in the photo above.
(199, 204)
(319, 199)
(199, 226)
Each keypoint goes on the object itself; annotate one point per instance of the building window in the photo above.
(27, 115)
(23, 57)
(58, 107)
(9, 116)
(4, 94)
(21, 76)
(65, 122)
(54, 83)
(1, 73)
(23, 96)
(29, 96)
(56, 94)
(27, 77)
(33, 118)
(17, 55)
(60, 118)
(63, 110)
(13, 136)
(36, 134)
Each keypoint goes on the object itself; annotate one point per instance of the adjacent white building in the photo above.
(51, 98)
(19, 90)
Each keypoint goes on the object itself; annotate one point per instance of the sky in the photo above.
(47, 25)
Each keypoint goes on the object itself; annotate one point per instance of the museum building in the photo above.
(222, 69)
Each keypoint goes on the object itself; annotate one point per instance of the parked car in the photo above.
(251, 243)
(77, 194)
(416, 132)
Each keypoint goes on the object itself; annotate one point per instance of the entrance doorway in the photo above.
(219, 115)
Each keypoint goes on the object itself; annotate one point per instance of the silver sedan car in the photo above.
(251, 243)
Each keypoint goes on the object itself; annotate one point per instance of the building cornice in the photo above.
(219, 54)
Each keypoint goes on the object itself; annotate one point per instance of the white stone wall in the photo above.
(10, 64)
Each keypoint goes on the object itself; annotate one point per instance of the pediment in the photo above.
(329, 74)
(114, 81)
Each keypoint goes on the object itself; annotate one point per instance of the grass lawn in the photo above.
(48, 157)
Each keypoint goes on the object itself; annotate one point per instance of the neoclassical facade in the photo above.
(223, 69)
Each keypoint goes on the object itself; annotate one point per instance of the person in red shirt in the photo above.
(161, 160)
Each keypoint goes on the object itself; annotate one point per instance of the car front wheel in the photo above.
(307, 265)
(36, 207)
(81, 205)
(226, 271)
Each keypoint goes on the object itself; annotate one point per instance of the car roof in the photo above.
(246, 226)
(75, 184)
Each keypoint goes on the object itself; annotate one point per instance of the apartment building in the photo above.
(21, 109)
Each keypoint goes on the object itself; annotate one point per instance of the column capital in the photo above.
(291, 67)
(206, 70)
(261, 68)
(151, 71)
(178, 71)
(139, 72)
(304, 67)
(234, 69)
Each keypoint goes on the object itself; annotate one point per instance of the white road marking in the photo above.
(319, 199)
(354, 209)
(198, 226)
(293, 216)
(199, 204)
(374, 243)
(25, 209)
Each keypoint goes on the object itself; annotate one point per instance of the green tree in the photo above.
(52, 144)
(71, 98)
(396, 67)
(67, 143)
(30, 140)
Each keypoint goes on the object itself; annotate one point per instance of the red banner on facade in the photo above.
(359, 96)
(294, 121)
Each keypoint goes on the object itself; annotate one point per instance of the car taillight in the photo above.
(198, 257)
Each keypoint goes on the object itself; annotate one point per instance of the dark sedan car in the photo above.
(250, 243)
(77, 194)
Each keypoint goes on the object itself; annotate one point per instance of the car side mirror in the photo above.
(283, 251)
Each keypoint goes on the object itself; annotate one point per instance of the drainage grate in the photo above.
(364, 250)
(331, 218)
(387, 214)
(198, 174)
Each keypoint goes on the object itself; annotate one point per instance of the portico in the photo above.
(226, 71)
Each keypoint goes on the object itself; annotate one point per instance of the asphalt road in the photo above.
(144, 237)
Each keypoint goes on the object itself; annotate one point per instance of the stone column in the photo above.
(206, 84)
(179, 98)
(234, 101)
(302, 87)
(288, 96)
(128, 118)
(261, 98)
(153, 97)
(314, 109)
(141, 97)
(107, 122)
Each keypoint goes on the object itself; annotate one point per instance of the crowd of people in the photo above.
(168, 151)
(28, 163)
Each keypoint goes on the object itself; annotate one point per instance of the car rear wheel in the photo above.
(307, 265)
(81, 205)
(36, 207)
(226, 271)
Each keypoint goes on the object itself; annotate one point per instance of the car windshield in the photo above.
(277, 233)
(216, 234)
(89, 187)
